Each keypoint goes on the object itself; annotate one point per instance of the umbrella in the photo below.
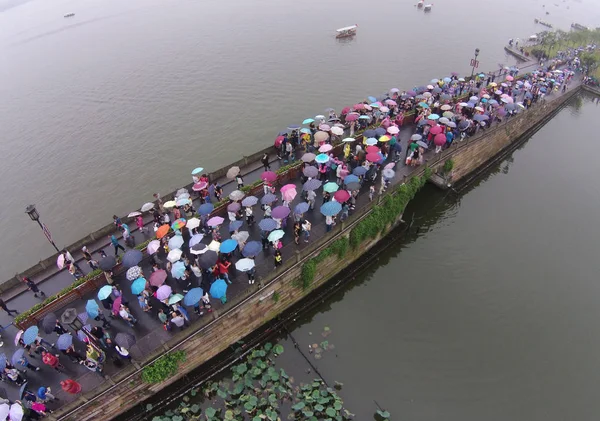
(422, 144)
(341, 196)
(436, 130)
(308, 157)
(48, 322)
(178, 270)
(250, 201)
(371, 141)
(373, 157)
(200, 186)
(30, 335)
(288, 187)
(83, 317)
(193, 223)
(268, 199)
(178, 224)
(321, 136)
(64, 341)
(125, 340)
(157, 278)
(331, 208)
(81, 334)
(252, 248)
(205, 209)
(393, 130)
(132, 258)
(233, 207)
(218, 289)
(241, 237)
(359, 171)
(183, 201)
(104, 292)
(301, 208)
(60, 261)
(352, 117)
(228, 246)
(138, 286)
(353, 186)
(289, 195)
(18, 336)
(322, 158)
(351, 179)
(331, 187)
(380, 131)
(197, 170)
(4, 410)
(388, 173)
(215, 221)
(310, 171)
(308, 121)
(18, 355)
(311, 185)
(236, 195)
(439, 139)
(193, 296)
(92, 308)
(162, 231)
(107, 263)
(152, 247)
(208, 259)
(199, 248)
(267, 224)
(433, 117)
(163, 292)
(134, 214)
(325, 148)
(372, 149)
(116, 305)
(133, 273)
(16, 411)
(244, 265)
(324, 127)
(416, 137)
(448, 114)
(233, 172)
(348, 140)
(214, 246)
(338, 131)
(481, 117)
(235, 225)
(280, 212)
(369, 133)
(276, 235)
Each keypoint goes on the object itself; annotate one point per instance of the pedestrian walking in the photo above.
(223, 269)
(25, 364)
(123, 352)
(70, 386)
(306, 227)
(31, 286)
(13, 375)
(139, 221)
(5, 308)
(265, 161)
(310, 198)
(116, 245)
(127, 316)
(40, 409)
(177, 320)
(117, 221)
(371, 192)
(249, 215)
(278, 259)
(73, 355)
(297, 231)
(102, 336)
(45, 394)
(59, 329)
(251, 275)
(52, 360)
(240, 181)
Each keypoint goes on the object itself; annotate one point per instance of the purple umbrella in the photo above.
(280, 212)
(313, 184)
(268, 199)
(234, 207)
(252, 248)
(411, 93)
(163, 292)
(310, 171)
(267, 224)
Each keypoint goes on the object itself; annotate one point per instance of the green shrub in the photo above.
(143, 245)
(307, 274)
(163, 368)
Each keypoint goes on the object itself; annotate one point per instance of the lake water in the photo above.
(100, 110)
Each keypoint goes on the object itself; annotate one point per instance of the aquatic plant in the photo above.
(163, 368)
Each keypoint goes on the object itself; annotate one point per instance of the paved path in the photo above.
(149, 331)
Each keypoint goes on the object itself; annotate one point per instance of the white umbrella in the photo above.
(176, 242)
(193, 223)
(233, 172)
(133, 273)
(214, 246)
(153, 246)
(174, 255)
(241, 237)
(134, 214)
(236, 195)
(16, 412)
(338, 131)
(348, 140)
(169, 204)
(244, 265)
(60, 261)
(147, 206)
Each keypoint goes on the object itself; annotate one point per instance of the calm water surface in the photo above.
(490, 312)
(100, 110)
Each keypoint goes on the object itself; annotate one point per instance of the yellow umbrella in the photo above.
(384, 138)
(493, 84)
(169, 204)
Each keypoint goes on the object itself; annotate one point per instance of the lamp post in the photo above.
(35, 216)
(474, 62)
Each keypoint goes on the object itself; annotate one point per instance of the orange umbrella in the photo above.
(162, 231)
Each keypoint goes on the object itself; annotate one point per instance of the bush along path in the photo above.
(260, 392)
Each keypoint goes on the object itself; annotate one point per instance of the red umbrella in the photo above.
(269, 176)
(200, 186)
(436, 130)
(373, 157)
(278, 141)
(117, 305)
(341, 196)
(372, 149)
(352, 117)
(439, 139)
(158, 278)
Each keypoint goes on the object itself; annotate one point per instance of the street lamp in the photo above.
(474, 62)
(35, 216)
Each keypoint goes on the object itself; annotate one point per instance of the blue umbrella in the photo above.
(308, 121)
(138, 286)
(249, 201)
(481, 117)
(178, 270)
(301, 208)
(197, 170)
(30, 335)
(92, 307)
(176, 242)
(359, 171)
(351, 178)
(252, 248)
(369, 133)
(104, 292)
(218, 289)
(267, 224)
(17, 356)
(371, 141)
(313, 184)
(205, 209)
(82, 336)
(436, 90)
(3, 361)
(433, 117)
(372, 99)
(228, 246)
(132, 258)
(305, 131)
(380, 131)
(197, 238)
(331, 208)
(235, 225)
(322, 158)
(364, 117)
(193, 296)
(64, 341)
(447, 80)
(268, 199)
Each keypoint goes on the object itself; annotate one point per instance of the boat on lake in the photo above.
(68, 15)
(348, 31)
(541, 22)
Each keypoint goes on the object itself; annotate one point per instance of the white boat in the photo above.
(347, 31)
(427, 7)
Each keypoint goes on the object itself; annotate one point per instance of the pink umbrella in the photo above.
(164, 292)
(439, 139)
(510, 78)
(200, 186)
(352, 117)
(269, 176)
(117, 304)
(432, 122)
(372, 149)
(324, 127)
(215, 221)
(278, 141)
(393, 130)
(158, 278)
(288, 195)
(436, 130)
(391, 102)
(390, 166)
(359, 106)
(288, 187)
(325, 148)
(346, 110)
(373, 157)
(341, 196)
(384, 109)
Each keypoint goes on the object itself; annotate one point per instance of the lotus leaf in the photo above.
(249, 406)
(222, 393)
(210, 412)
(177, 418)
(195, 408)
(278, 349)
(268, 346)
(298, 406)
(319, 407)
(384, 414)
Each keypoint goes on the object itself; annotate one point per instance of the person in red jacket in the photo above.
(70, 386)
(51, 360)
(223, 267)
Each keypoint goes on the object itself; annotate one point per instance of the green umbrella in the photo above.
(331, 187)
